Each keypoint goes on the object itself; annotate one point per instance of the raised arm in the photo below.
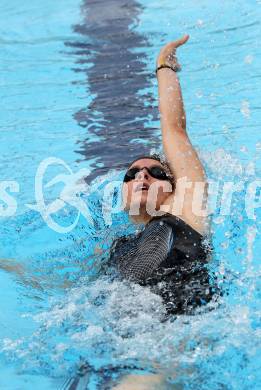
(181, 155)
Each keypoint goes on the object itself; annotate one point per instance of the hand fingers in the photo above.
(175, 44)
(170, 48)
(181, 41)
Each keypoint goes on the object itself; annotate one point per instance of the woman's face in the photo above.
(144, 192)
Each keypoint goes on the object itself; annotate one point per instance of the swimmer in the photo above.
(168, 255)
(170, 248)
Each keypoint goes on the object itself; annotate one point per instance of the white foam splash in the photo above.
(245, 109)
(249, 59)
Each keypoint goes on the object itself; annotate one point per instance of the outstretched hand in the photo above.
(167, 55)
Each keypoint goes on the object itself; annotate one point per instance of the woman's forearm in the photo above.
(170, 100)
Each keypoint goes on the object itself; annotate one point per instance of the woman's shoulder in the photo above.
(177, 207)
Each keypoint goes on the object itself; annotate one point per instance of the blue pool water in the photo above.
(78, 84)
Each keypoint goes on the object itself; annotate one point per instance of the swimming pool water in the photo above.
(78, 84)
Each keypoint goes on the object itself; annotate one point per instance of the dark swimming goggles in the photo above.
(154, 171)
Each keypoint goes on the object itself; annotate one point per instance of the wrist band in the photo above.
(175, 68)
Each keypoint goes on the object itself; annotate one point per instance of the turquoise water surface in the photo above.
(78, 86)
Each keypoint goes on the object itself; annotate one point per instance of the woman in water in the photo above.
(168, 196)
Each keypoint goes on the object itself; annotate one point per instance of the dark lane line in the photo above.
(117, 114)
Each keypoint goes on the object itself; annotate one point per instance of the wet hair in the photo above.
(163, 162)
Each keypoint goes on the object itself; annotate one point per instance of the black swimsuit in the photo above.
(168, 255)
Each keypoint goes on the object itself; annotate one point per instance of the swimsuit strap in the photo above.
(179, 225)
